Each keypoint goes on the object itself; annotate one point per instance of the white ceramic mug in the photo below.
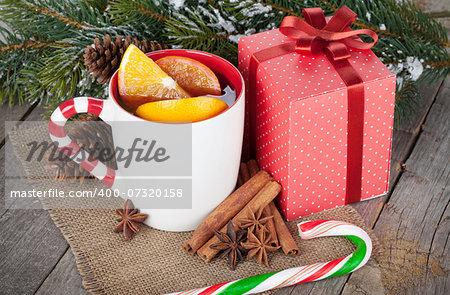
(216, 145)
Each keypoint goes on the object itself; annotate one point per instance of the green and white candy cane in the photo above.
(302, 274)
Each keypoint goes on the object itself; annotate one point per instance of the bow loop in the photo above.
(308, 45)
(315, 17)
(314, 34)
(336, 51)
(340, 21)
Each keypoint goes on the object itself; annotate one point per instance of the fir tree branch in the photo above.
(377, 30)
(334, 9)
(56, 15)
(32, 44)
(101, 5)
(61, 18)
(35, 63)
(41, 57)
(387, 32)
(146, 17)
(442, 64)
(432, 37)
(191, 31)
(153, 14)
(363, 25)
(280, 8)
(434, 31)
(214, 4)
(218, 9)
(327, 5)
(407, 99)
(125, 8)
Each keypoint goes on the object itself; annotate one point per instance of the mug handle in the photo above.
(70, 148)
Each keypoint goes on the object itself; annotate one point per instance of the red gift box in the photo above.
(325, 143)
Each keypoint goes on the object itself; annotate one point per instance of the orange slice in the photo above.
(141, 80)
(191, 109)
(191, 75)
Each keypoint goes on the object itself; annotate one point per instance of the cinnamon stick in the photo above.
(261, 200)
(243, 170)
(270, 225)
(287, 242)
(239, 180)
(226, 210)
(252, 166)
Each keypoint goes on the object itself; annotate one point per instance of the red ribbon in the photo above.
(312, 36)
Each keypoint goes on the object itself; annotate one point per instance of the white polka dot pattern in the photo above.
(301, 124)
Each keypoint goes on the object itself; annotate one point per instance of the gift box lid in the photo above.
(302, 76)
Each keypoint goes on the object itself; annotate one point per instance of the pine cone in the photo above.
(104, 59)
(86, 135)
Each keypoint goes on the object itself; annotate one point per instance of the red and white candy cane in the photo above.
(68, 146)
(302, 274)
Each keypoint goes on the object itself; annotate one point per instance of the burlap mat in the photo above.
(153, 262)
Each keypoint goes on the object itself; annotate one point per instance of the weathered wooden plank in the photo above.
(433, 5)
(366, 280)
(7, 114)
(307, 288)
(2, 182)
(328, 286)
(31, 244)
(370, 209)
(15, 114)
(402, 142)
(414, 225)
(15, 169)
(64, 279)
(437, 280)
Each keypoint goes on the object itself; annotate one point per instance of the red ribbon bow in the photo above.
(314, 34)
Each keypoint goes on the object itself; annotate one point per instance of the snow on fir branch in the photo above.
(177, 4)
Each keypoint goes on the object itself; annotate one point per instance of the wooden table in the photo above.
(412, 221)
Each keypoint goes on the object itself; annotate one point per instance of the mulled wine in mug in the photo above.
(175, 172)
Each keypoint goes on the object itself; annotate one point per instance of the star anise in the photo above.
(253, 221)
(259, 245)
(230, 244)
(130, 217)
